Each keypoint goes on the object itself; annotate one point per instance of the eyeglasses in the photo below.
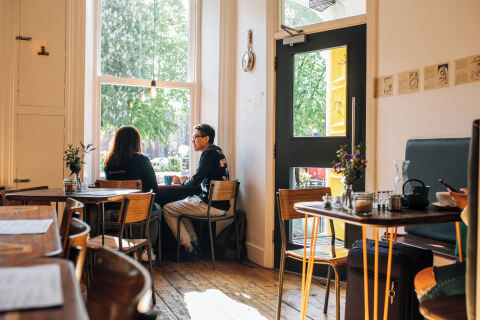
(195, 137)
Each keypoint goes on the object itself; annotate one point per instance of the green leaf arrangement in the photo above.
(74, 157)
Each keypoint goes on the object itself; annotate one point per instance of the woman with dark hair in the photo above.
(125, 161)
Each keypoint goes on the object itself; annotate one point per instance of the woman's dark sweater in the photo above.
(134, 168)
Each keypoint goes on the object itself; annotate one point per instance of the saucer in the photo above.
(451, 207)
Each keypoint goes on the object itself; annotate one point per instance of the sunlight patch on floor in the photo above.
(214, 304)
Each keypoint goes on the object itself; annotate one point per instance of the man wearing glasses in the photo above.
(212, 166)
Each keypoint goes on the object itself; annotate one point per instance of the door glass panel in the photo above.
(298, 13)
(319, 93)
(306, 178)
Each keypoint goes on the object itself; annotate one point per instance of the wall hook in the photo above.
(43, 52)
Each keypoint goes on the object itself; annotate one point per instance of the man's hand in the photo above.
(460, 198)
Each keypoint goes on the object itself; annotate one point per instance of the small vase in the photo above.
(78, 183)
(347, 198)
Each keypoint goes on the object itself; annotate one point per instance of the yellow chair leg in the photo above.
(459, 241)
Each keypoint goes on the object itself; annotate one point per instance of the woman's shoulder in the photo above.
(140, 157)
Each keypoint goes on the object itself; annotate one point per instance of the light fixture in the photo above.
(153, 89)
(320, 5)
(153, 84)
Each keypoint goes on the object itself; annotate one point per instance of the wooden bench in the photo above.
(444, 308)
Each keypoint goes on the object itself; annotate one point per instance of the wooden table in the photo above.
(93, 195)
(29, 245)
(73, 306)
(97, 196)
(444, 308)
(378, 219)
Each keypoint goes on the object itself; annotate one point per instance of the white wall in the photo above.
(413, 34)
(254, 130)
(209, 61)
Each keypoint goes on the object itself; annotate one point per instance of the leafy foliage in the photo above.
(297, 15)
(351, 165)
(74, 157)
(310, 89)
(133, 45)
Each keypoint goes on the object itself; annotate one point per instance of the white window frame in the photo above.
(92, 170)
(318, 27)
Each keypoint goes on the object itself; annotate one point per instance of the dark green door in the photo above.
(315, 84)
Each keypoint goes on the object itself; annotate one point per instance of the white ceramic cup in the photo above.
(445, 199)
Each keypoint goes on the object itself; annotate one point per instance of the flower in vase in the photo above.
(350, 165)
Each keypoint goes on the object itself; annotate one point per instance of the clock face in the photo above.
(247, 61)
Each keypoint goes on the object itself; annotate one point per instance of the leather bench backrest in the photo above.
(431, 159)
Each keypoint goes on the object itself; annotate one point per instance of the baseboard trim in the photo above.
(255, 253)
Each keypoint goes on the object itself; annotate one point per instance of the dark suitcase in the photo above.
(407, 261)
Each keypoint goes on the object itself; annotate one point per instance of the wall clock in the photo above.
(248, 58)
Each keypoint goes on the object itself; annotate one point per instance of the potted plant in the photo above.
(74, 159)
(351, 166)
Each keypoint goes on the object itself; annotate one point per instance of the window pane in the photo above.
(320, 92)
(129, 39)
(298, 13)
(307, 178)
(163, 123)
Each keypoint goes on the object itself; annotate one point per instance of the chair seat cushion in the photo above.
(113, 242)
(205, 217)
(322, 254)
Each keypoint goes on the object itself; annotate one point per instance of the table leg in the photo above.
(308, 280)
(365, 271)
(389, 271)
(311, 262)
(375, 280)
(459, 241)
(304, 259)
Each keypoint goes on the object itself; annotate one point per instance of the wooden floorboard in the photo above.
(192, 290)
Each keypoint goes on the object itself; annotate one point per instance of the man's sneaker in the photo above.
(188, 256)
(145, 255)
(197, 250)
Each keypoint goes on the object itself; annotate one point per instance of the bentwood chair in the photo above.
(327, 254)
(73, 209)
(77, 245)
(135, 210)
(5, 202)
(219, 191)
(132, 184)
(120, 289)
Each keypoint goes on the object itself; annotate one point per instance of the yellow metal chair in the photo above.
(328, 254)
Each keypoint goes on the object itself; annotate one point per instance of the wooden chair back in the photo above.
(5, 202)
(72, 208)
(77, 245)
(121, 184)
(223, 190)
(138, 208)
(120, 288)
(288, 197)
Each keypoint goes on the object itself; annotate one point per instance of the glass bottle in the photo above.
(401, 167)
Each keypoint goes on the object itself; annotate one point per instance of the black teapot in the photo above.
(417, 195)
